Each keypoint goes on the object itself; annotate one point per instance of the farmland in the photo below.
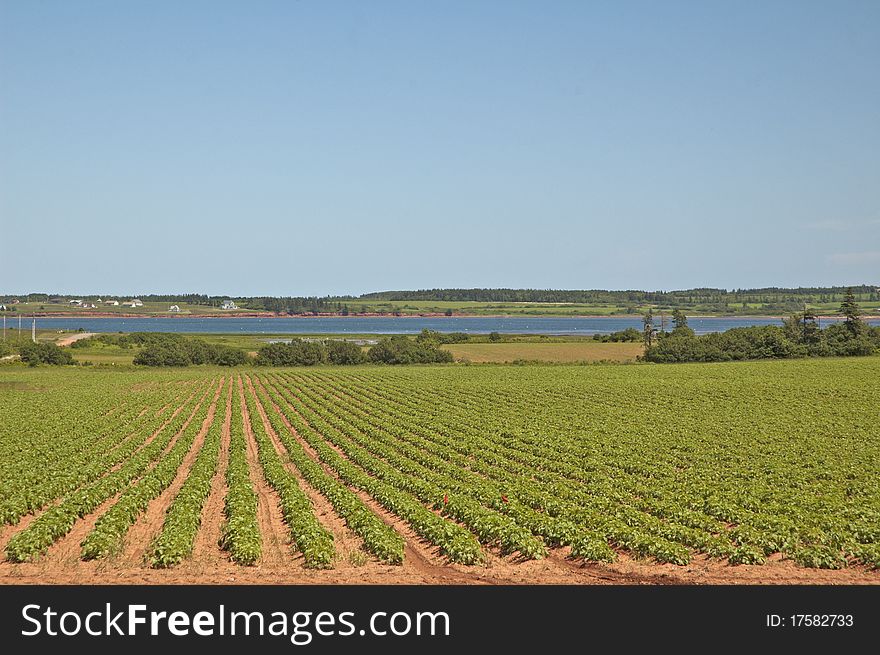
(743, 472)
(580, 350)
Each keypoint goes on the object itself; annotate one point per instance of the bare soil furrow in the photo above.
(206, 550)
(276, 543)
(420, 555)
(149, 523)
(349, 546)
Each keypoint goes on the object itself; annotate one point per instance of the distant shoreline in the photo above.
(273, 315)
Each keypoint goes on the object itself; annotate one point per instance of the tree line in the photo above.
(709, 299)
(799, 336)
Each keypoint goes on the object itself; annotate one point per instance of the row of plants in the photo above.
(454, 541)
(58, 520)
(108, 535)
(378, 538)
(387, 459)
(683, 477)
(184, 517)
(240, 532)
(309, 537)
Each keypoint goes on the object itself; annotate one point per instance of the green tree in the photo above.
(851, 313)
(344, 352)
(649, 330)
(679, 320)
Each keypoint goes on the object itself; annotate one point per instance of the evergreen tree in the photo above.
(679, 320)
(851, 312)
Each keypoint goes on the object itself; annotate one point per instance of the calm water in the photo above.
(380, 325)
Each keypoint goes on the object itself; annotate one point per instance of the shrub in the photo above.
(344, 352)
(400, 350)
(44, 353)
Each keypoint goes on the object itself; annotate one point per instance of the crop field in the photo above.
(583, 350)
(755, 472)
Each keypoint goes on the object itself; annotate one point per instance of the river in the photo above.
(388, 324)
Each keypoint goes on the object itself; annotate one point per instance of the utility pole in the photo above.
(34, 330)
(19, 328)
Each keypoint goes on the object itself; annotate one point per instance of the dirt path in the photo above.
(149, 523)
(69, 339)
(276, 544)
(207, 553)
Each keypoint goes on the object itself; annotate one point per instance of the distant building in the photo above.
(114, 303)
(134, 303)
(228, 304)
(75, 302)
(174, 308)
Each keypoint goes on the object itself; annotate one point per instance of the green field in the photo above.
(740, 462)
(477, 350)
(584, 350)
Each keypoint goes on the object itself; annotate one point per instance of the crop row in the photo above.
(386, 462)
(240, 533)
(456, 542)
(109, 532)
(58, 520)
(308, 535)
(378, 538)
(184, 517)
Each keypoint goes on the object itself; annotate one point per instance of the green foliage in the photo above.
(44, 353)
(733, 461)
(57, 521)
(379, 539)
(800, 336)
(183, 518)
(240, 534)
(161, 349)
(344, 352)
(436, 338)
(399, 349)
(308, 535)
(630, 335)
(109, 532)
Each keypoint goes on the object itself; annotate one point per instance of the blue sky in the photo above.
(342, 147)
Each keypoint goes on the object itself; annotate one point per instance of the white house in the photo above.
(228, 304)
(174, 308)
(114, 303)
(134, 303)
(75, 302)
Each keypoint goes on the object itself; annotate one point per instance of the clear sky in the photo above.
(287, 148)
